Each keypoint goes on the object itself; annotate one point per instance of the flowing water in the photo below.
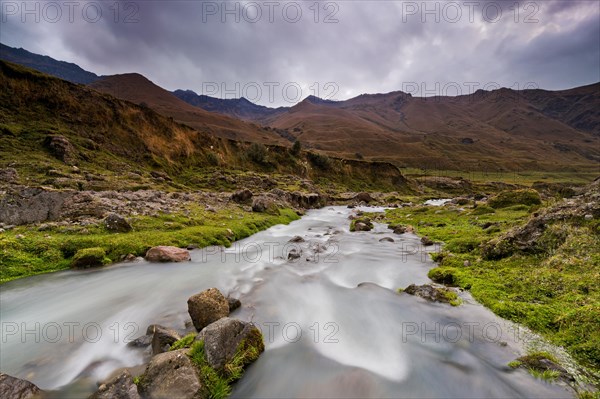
(332, 321)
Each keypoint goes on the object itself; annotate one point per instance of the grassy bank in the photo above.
(26, 251)
(554, 292)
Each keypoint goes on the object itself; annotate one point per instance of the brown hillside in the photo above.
(137, 89)
(499, 130)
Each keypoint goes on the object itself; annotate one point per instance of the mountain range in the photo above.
(499, 130)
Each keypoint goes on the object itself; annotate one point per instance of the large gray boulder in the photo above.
(171, 375)
(223, 338)
(163, 338)
(119, 387)
(16, 388)
(167, 254)
(207, 307)
(27, 205)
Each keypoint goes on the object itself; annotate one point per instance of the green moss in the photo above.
(51, 250)
(446, 276)
(545, 375)
(482, 210)
(524, 198)
(514, 364)
(90, 257)
(184, 342)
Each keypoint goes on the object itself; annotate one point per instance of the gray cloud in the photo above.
(375, 46)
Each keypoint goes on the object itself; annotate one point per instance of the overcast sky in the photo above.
(336, 49)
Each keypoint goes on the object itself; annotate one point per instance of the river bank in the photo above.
(532, 263)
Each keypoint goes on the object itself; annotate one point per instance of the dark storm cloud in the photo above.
(374, 46)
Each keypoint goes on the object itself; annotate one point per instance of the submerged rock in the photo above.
(361, 224)
(16, 388)
(234, 303)
(433, 293)
(225, 337)
(119, 387)
(167, 254)
(171, 375)
(207, 307)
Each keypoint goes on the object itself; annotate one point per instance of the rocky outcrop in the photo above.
(433, 293)
(117, 224)
(171, 375)
(60, 147)
(225, 337)
(26, 205)
(167, 254)
(363, 197)
(119, 387)
(8, 175)
(242, 196)
(264, 204)
(207, 307)
(531, 238)
(163, 338)
(16, 388)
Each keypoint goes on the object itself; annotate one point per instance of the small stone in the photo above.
(294, 254)
(233, 303)
(297, 239)
(467, 263)
(426, 241)
(588, 217)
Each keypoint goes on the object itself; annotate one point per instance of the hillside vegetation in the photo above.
(119, 144)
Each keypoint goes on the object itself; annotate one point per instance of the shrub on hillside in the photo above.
(320, 161)
(257, 153)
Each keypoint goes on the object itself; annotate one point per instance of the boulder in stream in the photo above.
(227, 337)
(119, 387)
(171, 375)
(163, 338)
(167, 254)
(434, 293)
(207, 307)
(16, 388)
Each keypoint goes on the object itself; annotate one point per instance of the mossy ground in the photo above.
(26, 251)
(555, 293)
